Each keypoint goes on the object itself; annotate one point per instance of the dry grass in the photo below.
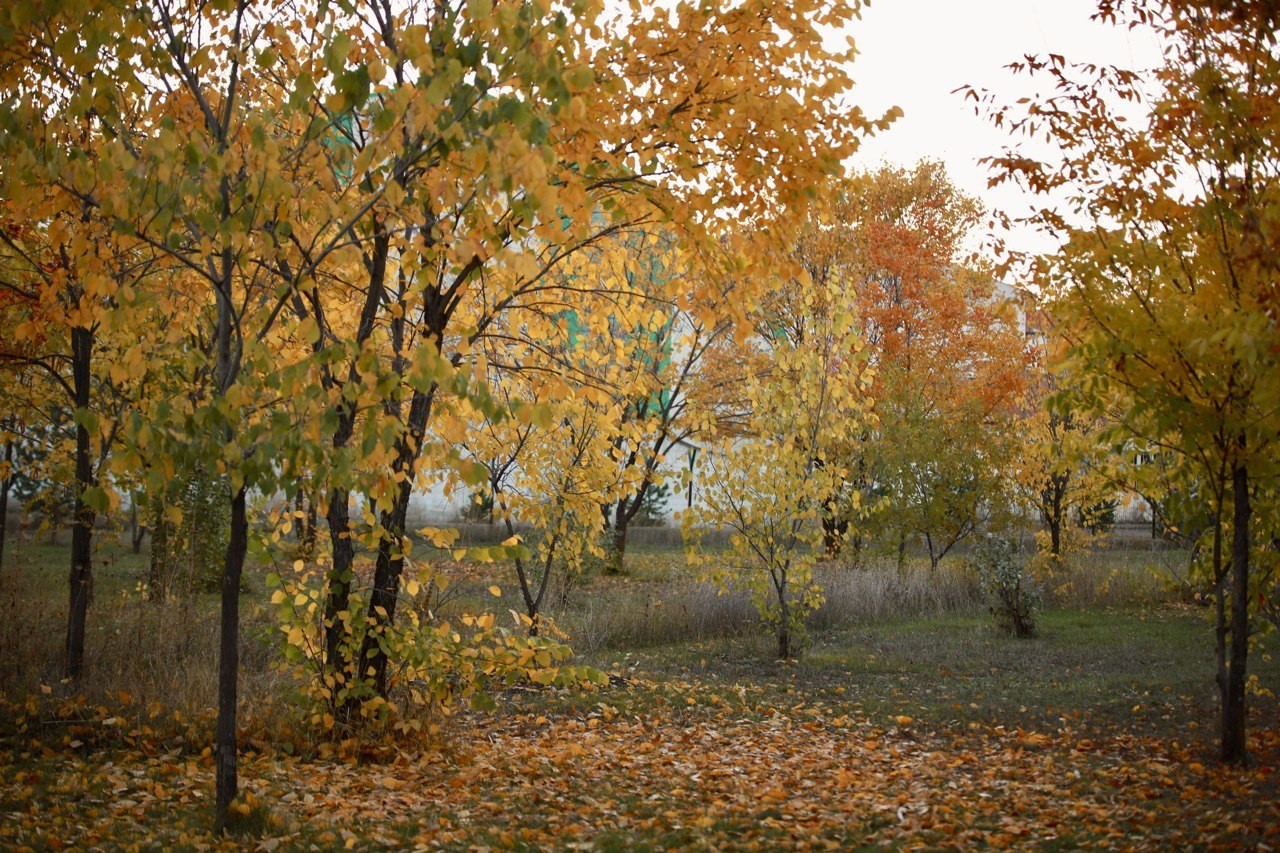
(154, 652)
(1111, 577)
(879, 591)
(661, 602)
(633, 615)
(166, 652)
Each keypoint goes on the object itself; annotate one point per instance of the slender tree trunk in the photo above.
(533, 600)
(229, 660)
(934, 556)
(390, 562)
(1234, 743)
(137, 530)
(834, 529)
(226, 757)
(338, 515)
(5, 486)
(1220, 629)
(337, 599)
(618, 547)
(159, 572)
(386, 591)
(623, 511)
(1055, 518)
(81, 577)
(309, 537)
(784, 625)
(620, 543)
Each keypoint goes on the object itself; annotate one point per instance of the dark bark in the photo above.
(158, 571)
(137, 530)
(226, 758)
(338, 516)
(532, 599)
(1234, 742)
(390, 561)
(785, 651)
(1220, 627)
(388, 567)
(619, 543)
(337, 601)
(309, 529)
(1052, 498)
(5, 485)
(229, 660)
(625, 511)
(80, 582)
(834, 530)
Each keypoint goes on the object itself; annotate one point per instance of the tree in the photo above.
(1164, 282)
(771, 487)
(1060, 470)
(66, 280)
(478, 169)
(950, 359)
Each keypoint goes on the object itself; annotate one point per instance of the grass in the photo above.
(1146, 671)
(1118, 655)
(151, 652)
(1114, 643)
(138, 646)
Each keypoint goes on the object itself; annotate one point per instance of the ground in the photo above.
(934, 731)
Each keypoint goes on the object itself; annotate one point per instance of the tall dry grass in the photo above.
(137, 651)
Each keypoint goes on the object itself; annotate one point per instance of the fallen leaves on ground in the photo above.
(800, 776)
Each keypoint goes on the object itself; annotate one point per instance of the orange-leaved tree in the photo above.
(950, 358)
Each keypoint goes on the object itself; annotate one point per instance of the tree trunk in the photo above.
(1220, 608)
(784, 614)
(390, 561)
(5, 485)
(623, 511)
(309, 537)
(80, 582)
(1234, 744)
(229, 661)
(159, 571)
(934, 556)
(337, 598)
(137, 530)
(386, 590)
(618, 550)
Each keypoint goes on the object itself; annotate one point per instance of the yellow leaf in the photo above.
(495, 592)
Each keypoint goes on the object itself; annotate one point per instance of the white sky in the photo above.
(914, 53)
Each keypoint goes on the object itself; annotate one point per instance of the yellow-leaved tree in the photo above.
(772, 484)
(348, 196)
(1165, 199)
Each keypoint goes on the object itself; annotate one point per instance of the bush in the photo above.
(1011, 591)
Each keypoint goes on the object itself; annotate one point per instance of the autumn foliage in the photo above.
(286, 264)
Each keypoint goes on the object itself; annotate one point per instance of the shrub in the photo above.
(1011, 591)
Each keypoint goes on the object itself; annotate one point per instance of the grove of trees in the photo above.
(280, 264)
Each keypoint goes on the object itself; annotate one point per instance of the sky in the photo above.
(914, 53)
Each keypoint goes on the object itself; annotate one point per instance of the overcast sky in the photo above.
(914, 53)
